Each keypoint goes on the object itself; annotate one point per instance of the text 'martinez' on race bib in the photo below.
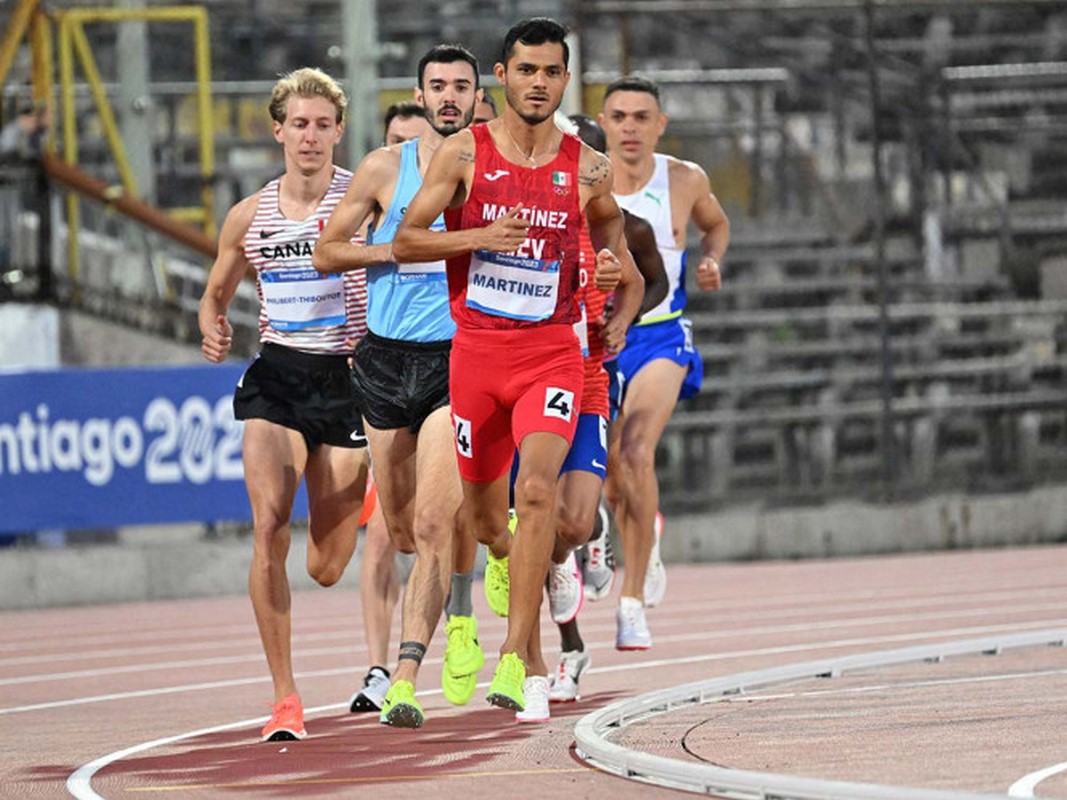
(513, 286)
(302, 298)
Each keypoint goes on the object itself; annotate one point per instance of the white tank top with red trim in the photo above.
(300, 308)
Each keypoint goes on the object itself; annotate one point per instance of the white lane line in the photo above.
(604, 645)
(79, 782)
(1001, 598)
(855, 599)
(1024, 787)
(754, 696)
(748, 632)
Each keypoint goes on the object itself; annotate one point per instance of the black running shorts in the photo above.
(399, 384)
(310, 393)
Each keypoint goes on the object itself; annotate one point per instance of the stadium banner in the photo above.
(85, 449)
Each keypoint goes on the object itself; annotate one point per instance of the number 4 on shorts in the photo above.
(462, 429)
(558, 403)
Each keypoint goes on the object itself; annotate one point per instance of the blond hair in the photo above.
(306, 82)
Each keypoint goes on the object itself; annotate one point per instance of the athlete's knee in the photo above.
(480, 523)
(402, 537)
(573, 528)
(326, 572)
(637, 455)
(534, 493)
(432, 530)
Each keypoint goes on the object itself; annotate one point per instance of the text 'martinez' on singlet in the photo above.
(299, 307)
(536, 284)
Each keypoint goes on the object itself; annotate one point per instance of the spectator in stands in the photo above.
(21, 138)
(302, 419)
(659, 364)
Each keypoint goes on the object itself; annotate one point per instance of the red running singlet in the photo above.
(536, 284)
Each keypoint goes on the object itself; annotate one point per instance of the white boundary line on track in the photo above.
(726, 656)
(592, 731)
(1024, 787)
(749, 632)
(79, 782)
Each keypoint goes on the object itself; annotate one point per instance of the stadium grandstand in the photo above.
(893, 320)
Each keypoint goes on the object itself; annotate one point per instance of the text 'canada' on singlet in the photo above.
(536, 284)
(408, 302)
(653, 202)
(299, 307)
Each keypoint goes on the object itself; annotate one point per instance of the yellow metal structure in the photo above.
(30, 20)
(73, 42)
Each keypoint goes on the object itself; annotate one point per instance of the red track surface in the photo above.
(80, 684)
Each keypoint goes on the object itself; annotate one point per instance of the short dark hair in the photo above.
(632, 83)
(447, 54)
(590, 132)
(489, 101)
(405, 109)
(533, 31)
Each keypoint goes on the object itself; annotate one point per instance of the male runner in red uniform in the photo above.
(513, 192)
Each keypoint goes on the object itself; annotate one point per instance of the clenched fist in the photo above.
(708, 276)
(608, 271)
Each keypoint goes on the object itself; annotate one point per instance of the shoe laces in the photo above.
(562, 577)
(512, 669)
(458, 632)
(375, 675)
(568, 664)
(535, 692)
(633, 614)
(499, 578)
(287, 706)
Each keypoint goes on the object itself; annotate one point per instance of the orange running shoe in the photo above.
(287, 721)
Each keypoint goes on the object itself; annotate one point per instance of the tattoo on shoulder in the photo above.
(595, 175)
(466, 156)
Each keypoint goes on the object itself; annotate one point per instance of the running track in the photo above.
(166, 699)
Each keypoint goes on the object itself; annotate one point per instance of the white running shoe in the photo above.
(535, 698)
(631, 630)
(370, 698)
(598, 570)
(565, 590)
(563, 685)
(656, 574)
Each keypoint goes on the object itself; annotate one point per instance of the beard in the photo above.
(529, 117)
(448, 127)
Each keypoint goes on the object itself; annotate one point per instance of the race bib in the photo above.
(302, 298)
(421, 272)
(431, 270)
(513, 286)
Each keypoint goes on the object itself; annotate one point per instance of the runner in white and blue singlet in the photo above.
(659, 363)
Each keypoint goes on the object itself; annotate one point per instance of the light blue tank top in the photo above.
(408, 302)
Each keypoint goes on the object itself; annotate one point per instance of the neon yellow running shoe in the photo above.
(401, 709)
(506, 689)
(463, 659)
(497, 583)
